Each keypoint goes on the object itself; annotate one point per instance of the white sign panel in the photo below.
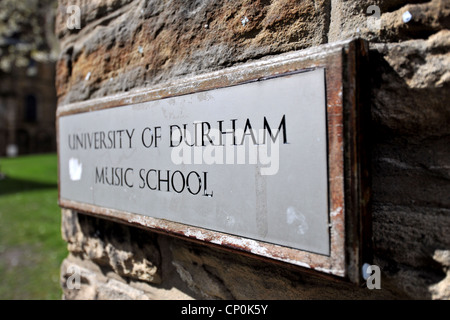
(248, 160)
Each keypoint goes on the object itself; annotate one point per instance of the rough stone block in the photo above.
(130, 254)
(122, 45)
(387, 21)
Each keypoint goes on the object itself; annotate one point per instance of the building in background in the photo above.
(28, 51)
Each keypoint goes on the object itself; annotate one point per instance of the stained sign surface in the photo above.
(248, 160)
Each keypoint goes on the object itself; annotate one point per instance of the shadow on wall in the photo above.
(410, 166)
(13, 185)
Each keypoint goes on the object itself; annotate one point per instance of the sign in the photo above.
(242, 162)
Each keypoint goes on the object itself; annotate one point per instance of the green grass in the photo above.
(31, 247)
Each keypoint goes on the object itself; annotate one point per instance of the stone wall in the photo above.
(123, 45)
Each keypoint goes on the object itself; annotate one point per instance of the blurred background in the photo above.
(31, 247)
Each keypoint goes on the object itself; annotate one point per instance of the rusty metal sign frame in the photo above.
(349, 193)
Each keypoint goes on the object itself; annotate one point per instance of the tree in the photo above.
(26, 32)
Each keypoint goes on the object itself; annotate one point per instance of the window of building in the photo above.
(30, 108)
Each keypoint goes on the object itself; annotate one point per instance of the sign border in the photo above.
(348, 171)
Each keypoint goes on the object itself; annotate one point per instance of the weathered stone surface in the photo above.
(441, 290)
(410, 82)
(241, 278)
(100, 282)
(195, 271)
(409, 237)
(132, 255)
(405, 242)
(411, 162)
(425, 19)
(146, 42)
(87, 277)
(411, 173)
(93, 284)
(383, 20)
